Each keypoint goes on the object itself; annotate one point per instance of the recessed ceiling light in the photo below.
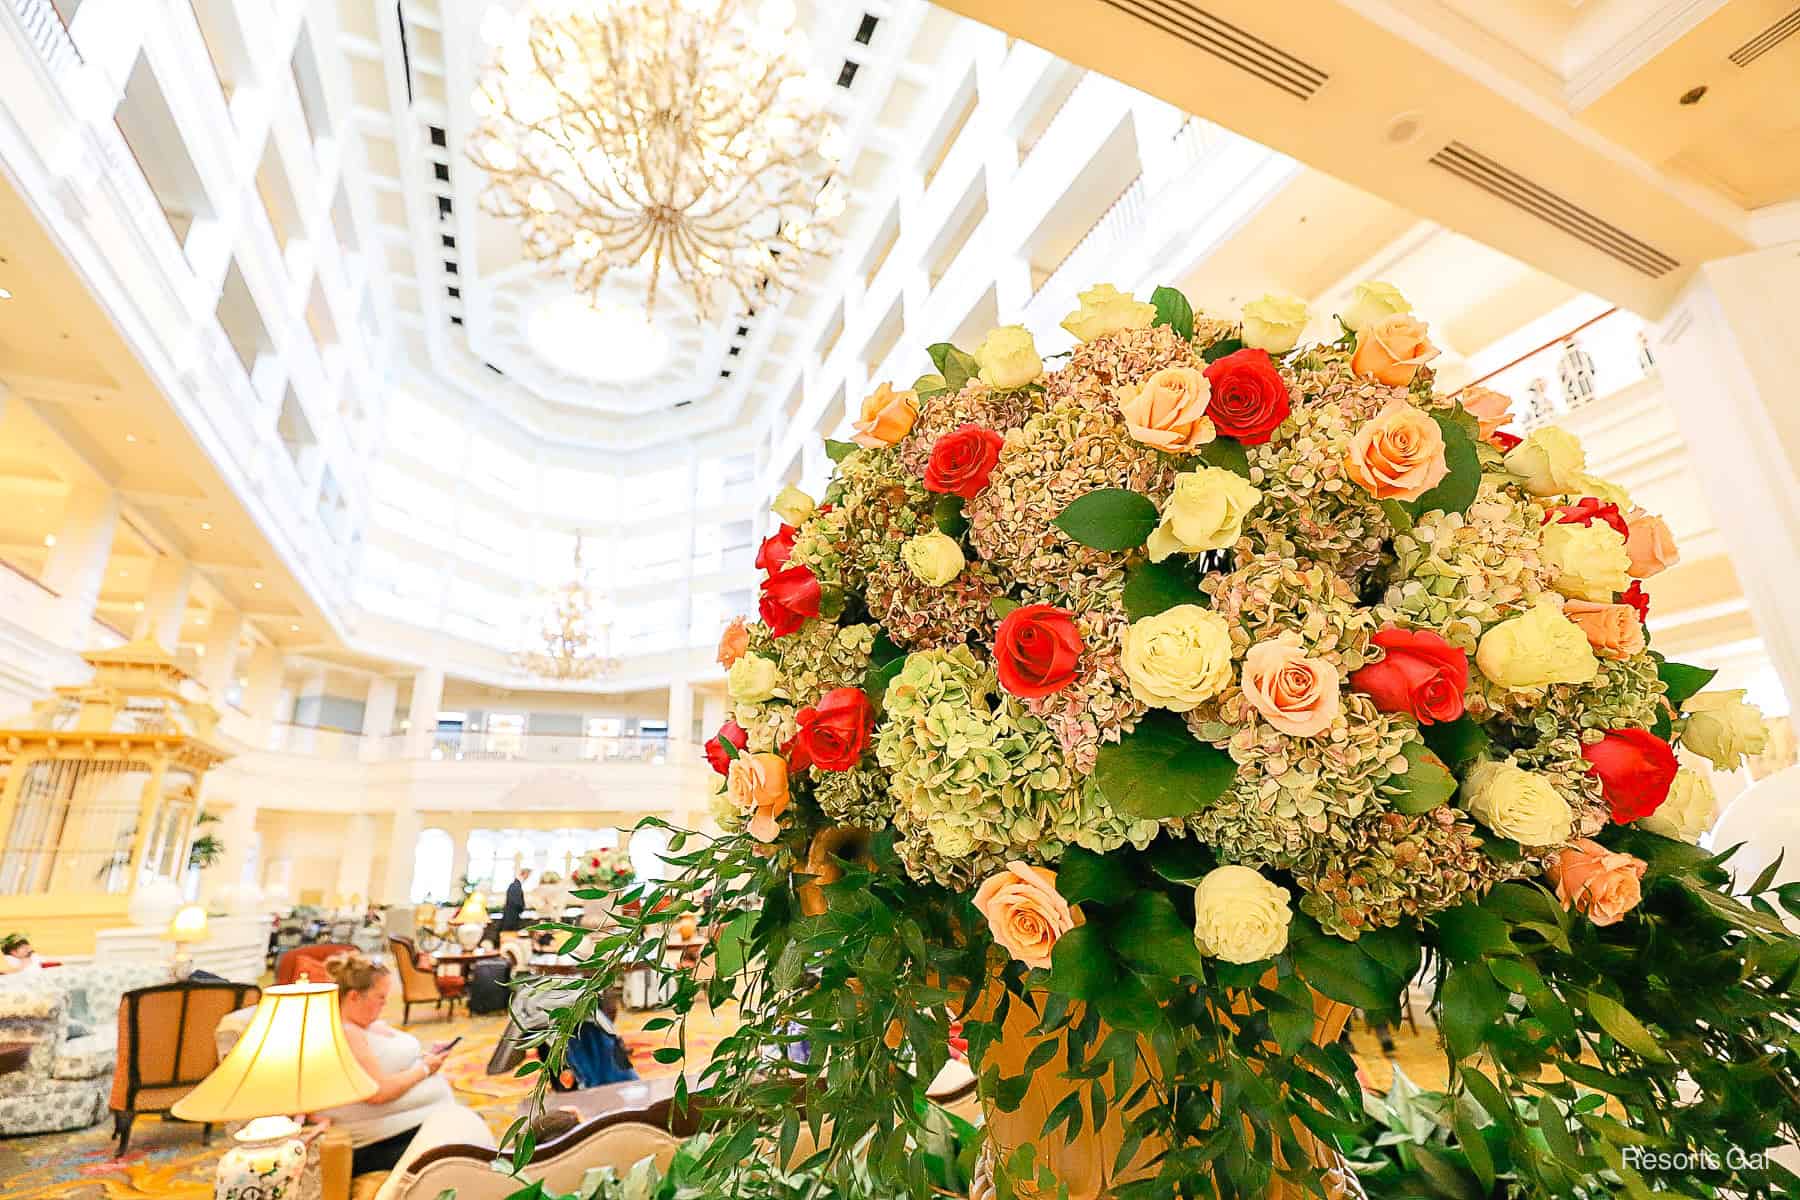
(138, 607)
(206, 526)
(49, 539)
(5, 295)
(131, 437)
(257, 585)
(293, 629)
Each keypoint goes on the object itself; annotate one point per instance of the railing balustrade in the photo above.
(1602, 355)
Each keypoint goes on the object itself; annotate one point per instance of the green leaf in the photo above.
(1458, 743)
(1109, 519)
(1460, 486)
(1624, 1028)
(1340, 970)
(1000, 606)
(1228, 454)
(1397, 516)
(837, 451)
(1159, 770)
(1152, 937)
(1291, 1015)
(1468, 1005)
(956, 367)
(1475, 1149)
(1425, 784)
(1180, 860)
(1469, 933)
(875, 683)
(1487, 1094)
(1083, 875)
(1682, 680)
(1151, 588)
(1080, 967)
(732, 950)
(930, 385)
(948, 514)
(1221, 348)
(1173, 310)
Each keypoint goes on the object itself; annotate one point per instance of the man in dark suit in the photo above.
(512, 917)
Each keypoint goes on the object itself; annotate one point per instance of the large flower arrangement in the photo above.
(1200, 676)
(603, 868)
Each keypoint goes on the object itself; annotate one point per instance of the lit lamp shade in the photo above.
(473, 911)
(291, 1059)
(188, 925)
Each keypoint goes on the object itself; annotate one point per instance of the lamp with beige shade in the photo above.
(186, 927)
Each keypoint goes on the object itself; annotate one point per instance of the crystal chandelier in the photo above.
(572, 640)
(681, 137)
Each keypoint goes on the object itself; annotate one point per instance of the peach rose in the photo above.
(1168, 410)
(887, 416)
(1650, 544)
(1491, 410)
(1613, 630)
(1591, 879)
(1392, 350)
(1296, 694)
(1398, 454)
(758, 786)
(734, 642)
(1025, 912)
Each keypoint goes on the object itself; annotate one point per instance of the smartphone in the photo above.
(446, 1047)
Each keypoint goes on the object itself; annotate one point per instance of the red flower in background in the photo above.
(1638, 598)
(1506, 441)
(773, 554)
(1249, 397)
(1635, 768)
(1588, 510)
(1421, 675)
(833, 733)
(789, 597)
(1036, 650)
(962, 460)
(716, 756)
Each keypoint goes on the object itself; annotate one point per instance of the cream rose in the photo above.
(1370, 302)
(1721, 727)
(1392, 350)
(1603, 489)
(1398, 454)
(1650, 543)
(1550, 462)
(1168, 409)
(1590, 560)
(1275, 323)
(1491, 410)
(1596, 881)
(758, 787)
(1689, 810)
(1613, 630)
(1025, 912)
(1008, 358)
(1296, 694)
(1538, 648)
(751, 679)
(1239, 916)
(1177, 658)
(886, 416)
(1105, 310)
(1517, 804)
(1205, 512)
(792, 505)
(934, 557)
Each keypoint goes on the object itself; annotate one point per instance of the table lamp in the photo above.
(471, 921)
(291, 1059)
(186, 927)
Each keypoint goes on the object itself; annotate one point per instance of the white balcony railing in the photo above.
(1595, 359)
(477, 746)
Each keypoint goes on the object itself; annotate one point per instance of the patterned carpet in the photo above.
(166, 1159)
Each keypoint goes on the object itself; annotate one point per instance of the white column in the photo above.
(378, 717)
(218, 666)
(263, 690)
(308, 698)
(713, 712)
(403, 840)
(681, 715)
(171, 578)
(422, 714)
(1725, 358)
(236, 828)
(76, 566)
(358, 860)
(458, 827)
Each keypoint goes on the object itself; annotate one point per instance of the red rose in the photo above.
(716, 757)
(1589, 510)
(1249, 397)
(1421, 675)
(1505, 441)
(833, 733)
(1635, 768)
(773, 554)
(789, 597)
(1036, 649)
(962, 460)
(1638, 598)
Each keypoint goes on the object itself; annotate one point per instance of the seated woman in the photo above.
(409, 1086)
(17, 956)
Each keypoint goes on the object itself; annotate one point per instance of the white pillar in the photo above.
(308, 698)
(681, 714)
(171, 578)
(422, 715)
(1724, 355)
(236, 829)
(403, 840)
(263, 691)
(358, 860)
(713, 712)
(378, 717)
(76, 566)
(459, 828)
(218, 666)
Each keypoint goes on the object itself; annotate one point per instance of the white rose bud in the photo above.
(1008, 358)
(751, 679)
(934, 557)
(1721, 727)
(1106, 310)
(1517, 804)
(1275, 323)
(1239, 916)
(792, 505)
(1370, 302)
(1689, 810)
(1205, 512)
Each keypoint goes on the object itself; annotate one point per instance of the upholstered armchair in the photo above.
(309, 961)
(166, 1046)
(419, 985)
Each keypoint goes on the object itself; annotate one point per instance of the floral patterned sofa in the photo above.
(67, 1080)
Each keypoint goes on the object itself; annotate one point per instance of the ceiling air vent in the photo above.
(1222, 39)
(1472, 166)
(1767, 40)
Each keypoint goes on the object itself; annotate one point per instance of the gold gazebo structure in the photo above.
(100, 795)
